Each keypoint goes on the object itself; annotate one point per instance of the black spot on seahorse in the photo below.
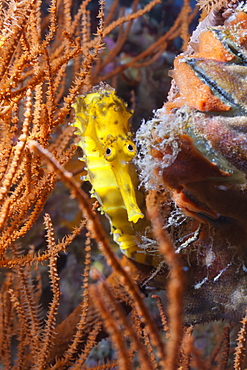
(128, 189)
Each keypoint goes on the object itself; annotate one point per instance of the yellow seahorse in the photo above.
(102, 122)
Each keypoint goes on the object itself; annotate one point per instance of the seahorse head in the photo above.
(119, 151)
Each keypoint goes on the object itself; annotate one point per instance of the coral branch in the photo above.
(175, 290)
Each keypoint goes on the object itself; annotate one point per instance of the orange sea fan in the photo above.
(46, 62)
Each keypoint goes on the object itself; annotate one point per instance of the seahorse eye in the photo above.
(129, 149)
(108, 152)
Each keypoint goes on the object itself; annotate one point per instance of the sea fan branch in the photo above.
(48, 331)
